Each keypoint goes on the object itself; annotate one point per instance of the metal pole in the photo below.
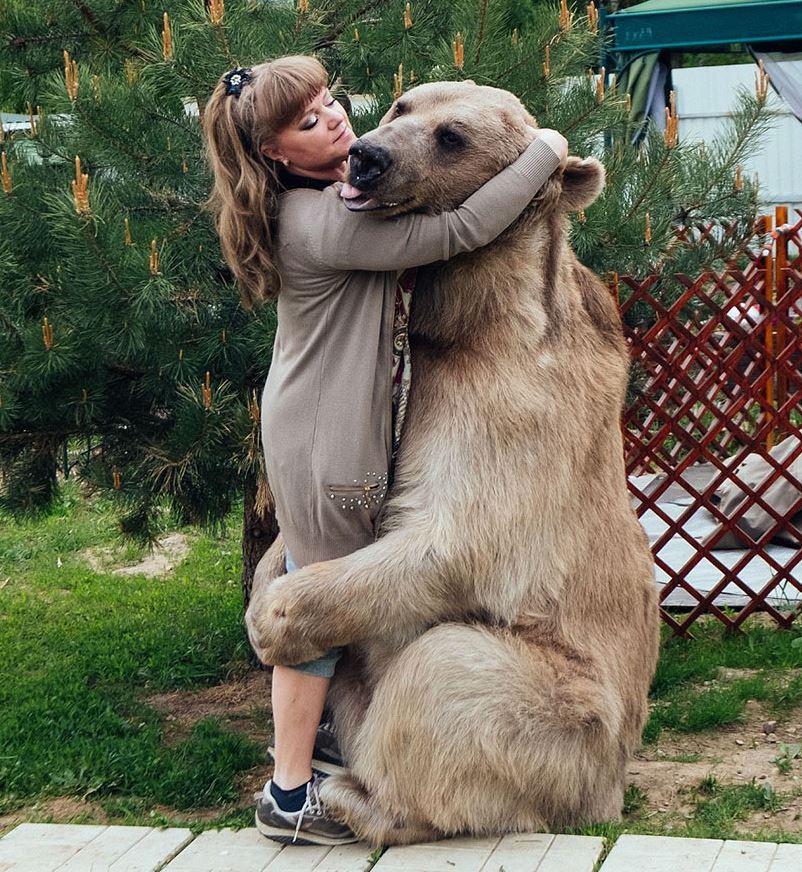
(769, 337)
(780, 289)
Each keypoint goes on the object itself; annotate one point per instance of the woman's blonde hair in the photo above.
(244, 197)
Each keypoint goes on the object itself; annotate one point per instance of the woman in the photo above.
(277, 142)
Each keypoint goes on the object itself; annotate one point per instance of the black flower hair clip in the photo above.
(235, 79)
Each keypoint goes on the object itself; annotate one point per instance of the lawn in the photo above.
(81, 650)
(132, 698)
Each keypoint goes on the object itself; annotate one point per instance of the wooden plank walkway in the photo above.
(666, 854)
(83, 848)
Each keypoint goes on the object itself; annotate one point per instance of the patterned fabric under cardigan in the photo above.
(402, 359)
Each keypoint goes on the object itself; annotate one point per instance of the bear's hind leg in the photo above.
(471, 730)
(352, 804)
(352, 688)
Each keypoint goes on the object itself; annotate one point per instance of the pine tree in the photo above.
(121, 325)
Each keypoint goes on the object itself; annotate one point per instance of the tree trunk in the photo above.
(259, 529)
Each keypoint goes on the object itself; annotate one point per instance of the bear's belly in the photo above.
(490, 462)
(473, 439)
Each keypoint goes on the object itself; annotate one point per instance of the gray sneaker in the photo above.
(326, 757)
(309, 826)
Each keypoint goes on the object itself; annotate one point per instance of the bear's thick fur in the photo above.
(503, 630)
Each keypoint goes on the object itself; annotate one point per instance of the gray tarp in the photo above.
(784, 497)
(645, 78)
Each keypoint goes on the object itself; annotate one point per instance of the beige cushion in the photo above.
(784, 496)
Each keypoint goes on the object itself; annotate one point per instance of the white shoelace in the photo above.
(312, 805)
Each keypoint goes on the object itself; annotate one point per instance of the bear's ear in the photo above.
(583, 181)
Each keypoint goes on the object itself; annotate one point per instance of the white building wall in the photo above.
(705, 96)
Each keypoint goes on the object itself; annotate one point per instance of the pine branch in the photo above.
(127, 371)
(89, 119)
(481, 36)
(101, 258)
(89, 16)
(58, 39)
(648, 187)
(104, 32)
(29, 435)
(336, 32)
(730, 162)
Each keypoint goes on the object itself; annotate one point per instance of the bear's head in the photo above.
(441, 141)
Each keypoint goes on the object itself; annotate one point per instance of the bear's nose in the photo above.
(368, 162)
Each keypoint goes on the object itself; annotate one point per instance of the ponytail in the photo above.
(245, 193)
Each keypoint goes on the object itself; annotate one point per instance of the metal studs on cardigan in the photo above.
(370, 492)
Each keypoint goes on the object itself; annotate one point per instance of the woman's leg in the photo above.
(298, 698)
(289, 810)
(298, 695)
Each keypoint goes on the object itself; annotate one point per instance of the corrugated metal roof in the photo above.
(13, 121)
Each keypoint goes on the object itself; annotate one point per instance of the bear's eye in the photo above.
(400, 108)
(449, 138)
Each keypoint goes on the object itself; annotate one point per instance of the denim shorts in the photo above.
(323, 666)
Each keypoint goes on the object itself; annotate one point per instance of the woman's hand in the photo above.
(553, 139)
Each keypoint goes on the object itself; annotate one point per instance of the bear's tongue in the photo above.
(349, 192)
(355, 199)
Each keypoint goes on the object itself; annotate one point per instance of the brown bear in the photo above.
(503, 628)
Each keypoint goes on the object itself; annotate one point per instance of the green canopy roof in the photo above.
(678, 24)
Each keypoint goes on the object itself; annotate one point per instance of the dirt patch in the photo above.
(670, 772)
(725, 674)
(57, 810)
(242, 705)
(167, 553)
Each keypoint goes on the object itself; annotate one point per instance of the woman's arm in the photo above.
(344, 240)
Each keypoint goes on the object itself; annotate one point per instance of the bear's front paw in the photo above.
(280, 628)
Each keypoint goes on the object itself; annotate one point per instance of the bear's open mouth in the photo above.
(359, 201)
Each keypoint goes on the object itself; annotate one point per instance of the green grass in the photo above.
(716, 810)
(79, 649)
(699, 659)
(787, 753)
(719, 808)
(688, 694)
(682, 758)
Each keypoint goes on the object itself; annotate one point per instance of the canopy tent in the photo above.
(684, 24)
(642, 36)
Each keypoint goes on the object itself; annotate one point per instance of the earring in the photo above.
(286, 162)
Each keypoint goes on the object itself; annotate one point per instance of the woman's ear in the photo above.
(273, 153)
(583, 181)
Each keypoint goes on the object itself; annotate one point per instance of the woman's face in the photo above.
(316, 142)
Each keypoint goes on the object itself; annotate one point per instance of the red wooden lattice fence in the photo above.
(717, 378)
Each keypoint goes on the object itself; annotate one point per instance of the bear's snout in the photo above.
(367, 164)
